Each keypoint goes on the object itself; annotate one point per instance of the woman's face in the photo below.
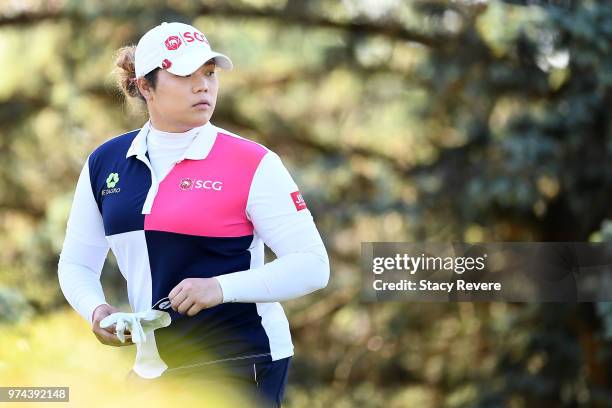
(177, 103)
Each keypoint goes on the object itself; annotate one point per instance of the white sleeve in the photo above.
(84, 251)
(302, 264)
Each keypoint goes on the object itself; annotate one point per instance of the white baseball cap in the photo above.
(176, 47)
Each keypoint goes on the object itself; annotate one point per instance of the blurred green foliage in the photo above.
(14, 306)
(400, 121)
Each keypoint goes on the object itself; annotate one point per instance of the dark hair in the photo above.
(126, 73)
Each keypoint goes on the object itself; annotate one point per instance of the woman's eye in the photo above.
(207, 73)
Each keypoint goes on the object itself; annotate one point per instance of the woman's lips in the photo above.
(202, 105)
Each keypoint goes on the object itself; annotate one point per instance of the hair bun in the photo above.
(126, 71)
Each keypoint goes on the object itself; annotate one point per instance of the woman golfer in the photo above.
(186, 208)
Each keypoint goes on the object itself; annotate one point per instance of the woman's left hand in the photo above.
(194, 294)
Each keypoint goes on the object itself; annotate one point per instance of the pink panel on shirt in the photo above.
(208, 197)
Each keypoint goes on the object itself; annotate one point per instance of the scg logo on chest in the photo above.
(188, 184)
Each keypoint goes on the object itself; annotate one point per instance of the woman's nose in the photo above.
(201, 83)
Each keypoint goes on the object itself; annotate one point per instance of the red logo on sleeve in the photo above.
(298, 200)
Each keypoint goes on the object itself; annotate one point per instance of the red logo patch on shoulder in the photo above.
(298, 200)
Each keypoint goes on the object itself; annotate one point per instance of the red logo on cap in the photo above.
(298, 200)
(166, 64)
(173, 42)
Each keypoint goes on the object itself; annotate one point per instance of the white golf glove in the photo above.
(139, 324)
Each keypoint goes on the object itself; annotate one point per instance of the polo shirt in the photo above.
(208, 217)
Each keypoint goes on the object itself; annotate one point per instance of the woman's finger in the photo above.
(112, 340)
(177, 300)
(185, 306)
(175, 291)
(194, 310)
(106, 337)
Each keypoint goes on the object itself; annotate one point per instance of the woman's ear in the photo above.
(144, 87)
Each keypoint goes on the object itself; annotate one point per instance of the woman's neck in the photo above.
(169, 128)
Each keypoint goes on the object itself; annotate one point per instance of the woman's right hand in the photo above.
(107, 336)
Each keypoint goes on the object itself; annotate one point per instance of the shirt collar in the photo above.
(197, 150)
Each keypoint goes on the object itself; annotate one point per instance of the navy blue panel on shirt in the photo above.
(119, 185)
(225, 331)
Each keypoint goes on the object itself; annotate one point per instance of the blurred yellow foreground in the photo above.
(59, 350)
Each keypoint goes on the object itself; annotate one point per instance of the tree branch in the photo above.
(307, 19)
